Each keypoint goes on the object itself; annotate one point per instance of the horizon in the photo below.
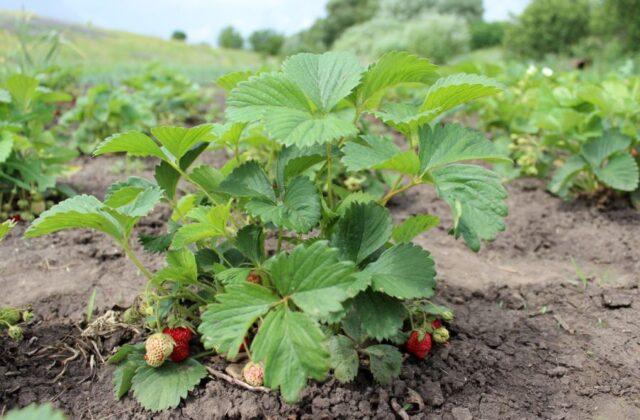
(160, 18)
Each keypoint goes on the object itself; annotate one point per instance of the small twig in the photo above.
(235, 381)
(399, 410)
(563, 324)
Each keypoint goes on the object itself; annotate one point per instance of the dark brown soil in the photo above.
(530, 340)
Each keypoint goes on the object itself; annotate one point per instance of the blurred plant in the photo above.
(486, 34)
(266, 41)
(548, 26)
(31, 157)
(179, 35)
(231, 38)
(438, 37)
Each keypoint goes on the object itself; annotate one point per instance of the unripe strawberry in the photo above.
(27, 316)
(10, 315)
(441, 335)
(253, 373)
(23, 204)
(159, 346)
(15, 333)
(419, 345)
(6, 207)
(131, 316)
(38, 207)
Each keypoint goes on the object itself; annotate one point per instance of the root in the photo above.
(235, 381)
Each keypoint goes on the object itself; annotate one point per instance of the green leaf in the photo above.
(454, 143)
(158, 389)
(324, 78)
(404, 271)
(211, 223)
(133, 143)
(343, 358)
(248, 180)
(22, 89)
(250, 242)
(368, 152)
(355, 197)
(458, 89)
(122, 378)
(207, 177)
(181, 267)
(135, 197)
(386, 362)
(125, 351)
(391, 70)
(179, 140)
(381, 316)
(313, 277)
(304, 129)
(405, 118)
(233, 275)
(476, 197)
(6, 146)
(35, 412)
(168, 177)
(563, 178)
(286, 112)
(155, 244)
(291, 346)
(262, 95)
(300, 209)
(437, 310)
(619, 172)
(596, 150)
(225, 324)
(230, 80)
(414, 226)
(362, 230)
(5, 228)
(293, 161)
(79, 212)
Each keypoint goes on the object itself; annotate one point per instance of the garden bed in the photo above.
(530, 338)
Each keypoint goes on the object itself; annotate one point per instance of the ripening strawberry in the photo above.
(179, 334)
(436, 324)
(419, 347)
(253, 373)
(254, 278)
(159, 346)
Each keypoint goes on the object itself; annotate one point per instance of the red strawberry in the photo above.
(436, 324)
(180, 351)
(15, 218)
(179, 334)
(244, 346)
(419, 347)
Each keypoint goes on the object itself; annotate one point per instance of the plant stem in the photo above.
(329, 177)
(393, 192)
(134, 259)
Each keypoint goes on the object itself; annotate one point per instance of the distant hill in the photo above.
(105, 54)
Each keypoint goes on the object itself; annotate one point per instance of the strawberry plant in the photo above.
(31, 158)
(264, 256)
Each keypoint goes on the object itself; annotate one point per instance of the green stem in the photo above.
(279, 239)
(393, 192)
(329, 177)
(134, 259)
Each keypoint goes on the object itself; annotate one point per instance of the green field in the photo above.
(108, 55)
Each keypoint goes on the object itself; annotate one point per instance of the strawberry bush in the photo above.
(267, 255)
(31, 155)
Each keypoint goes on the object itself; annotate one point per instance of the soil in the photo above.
(546, 321)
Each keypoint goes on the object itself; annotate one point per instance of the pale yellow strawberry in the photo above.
(253, 373)
(159, 346)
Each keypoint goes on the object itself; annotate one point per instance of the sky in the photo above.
(202, 19)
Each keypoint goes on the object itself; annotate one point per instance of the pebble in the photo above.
(614, 299)
(460, 413)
